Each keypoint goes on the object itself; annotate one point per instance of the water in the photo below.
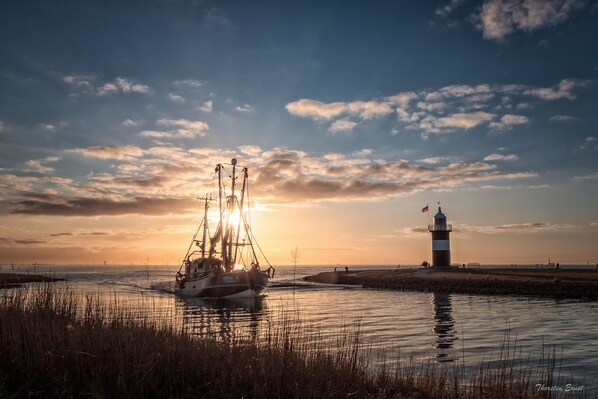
(446, 329)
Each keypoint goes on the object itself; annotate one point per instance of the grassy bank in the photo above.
(53, 346)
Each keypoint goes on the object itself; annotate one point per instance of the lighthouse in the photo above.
(441, 245)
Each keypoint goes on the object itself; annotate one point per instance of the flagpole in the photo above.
(428, 213)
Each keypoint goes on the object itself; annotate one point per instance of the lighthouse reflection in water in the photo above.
(444, 327)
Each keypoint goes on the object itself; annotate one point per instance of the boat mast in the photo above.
(241, 221)
(231, 207)
(219, 235)
(205, 226)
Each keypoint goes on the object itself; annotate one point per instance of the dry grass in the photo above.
(52, 346)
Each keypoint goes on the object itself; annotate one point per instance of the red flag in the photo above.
(425, 209)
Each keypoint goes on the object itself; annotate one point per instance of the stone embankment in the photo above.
(561, 284)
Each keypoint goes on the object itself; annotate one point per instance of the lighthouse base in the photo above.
(441, 258)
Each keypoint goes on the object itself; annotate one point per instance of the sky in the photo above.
(351, 117)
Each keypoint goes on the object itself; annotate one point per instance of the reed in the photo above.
(52, 345)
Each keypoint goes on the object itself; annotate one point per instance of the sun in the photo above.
(234, 218)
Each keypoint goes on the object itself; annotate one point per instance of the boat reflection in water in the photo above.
(444, 328)
(222, 319)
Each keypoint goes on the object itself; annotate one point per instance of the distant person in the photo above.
(335, 269)
(346, 269)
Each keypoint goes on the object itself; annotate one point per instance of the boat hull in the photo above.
(236, 284)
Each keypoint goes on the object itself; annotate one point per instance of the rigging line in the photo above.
(248, 204)
(262, 252)
(250, 231)
(191, 244)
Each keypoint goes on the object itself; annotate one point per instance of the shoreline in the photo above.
(549, 283)
(51, 349)
(16, 280)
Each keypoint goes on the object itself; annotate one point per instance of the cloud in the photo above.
(207, 106)
(402, 99)
(244, 108)
(189, 83)
(432, 106)
(531, 227)
(184, 128)
(561, 118)
(130, 123)
(108, 88)
(125, 152)
(175, 98)
(363, 152)
(80, 233)
(436, 160)
(315, 109)
(29, 242)
(522, 106)
(563, 90)
(40, 204)
(121, 85)
(458, 91)
(252, 150)
(47, 126)
(320, 111)
(508, 121)
(368, 109)
(158, 180)
(342, 125)
(445, 10)
(499, 18)
(2, 127)
(588, 178)
(81, 83)
(444, 110)
(590, 143)
(37, 165)
(501, 157)
(464, 120)
(285, 176)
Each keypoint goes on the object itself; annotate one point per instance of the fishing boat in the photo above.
(225, 264)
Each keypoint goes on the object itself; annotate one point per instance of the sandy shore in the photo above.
(11, 280)
(553, 283)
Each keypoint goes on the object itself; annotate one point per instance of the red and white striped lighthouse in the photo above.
(441, 244)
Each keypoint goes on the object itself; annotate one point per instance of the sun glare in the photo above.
(235, 218)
